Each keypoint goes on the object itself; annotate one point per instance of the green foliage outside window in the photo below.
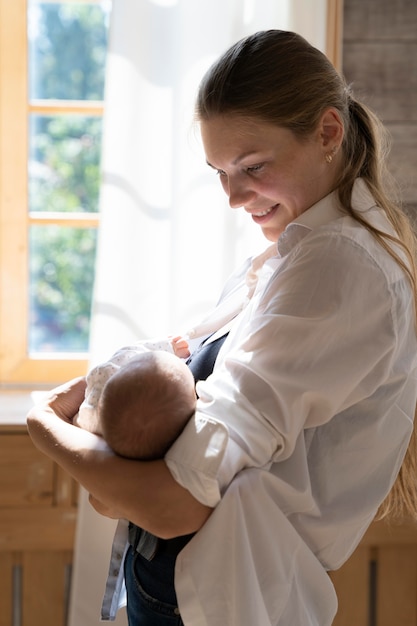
(67, 50)
(60, 295)
(64, 172)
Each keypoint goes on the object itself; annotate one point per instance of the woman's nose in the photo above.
(239, 193)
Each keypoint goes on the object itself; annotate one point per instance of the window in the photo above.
(52, 59)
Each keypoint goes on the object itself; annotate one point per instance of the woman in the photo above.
(303, 425)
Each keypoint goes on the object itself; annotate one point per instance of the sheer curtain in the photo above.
(167, 238)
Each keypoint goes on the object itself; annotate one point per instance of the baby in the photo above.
(141, 399)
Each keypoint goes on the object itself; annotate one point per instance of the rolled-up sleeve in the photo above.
(195, 458)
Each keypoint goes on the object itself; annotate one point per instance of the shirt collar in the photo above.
(326, 210)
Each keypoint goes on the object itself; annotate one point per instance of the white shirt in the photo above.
(318, 376)
(306, 416)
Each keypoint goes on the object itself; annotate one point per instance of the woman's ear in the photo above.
(331, 130)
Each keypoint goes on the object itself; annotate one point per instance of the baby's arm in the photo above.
(176, 344)
(180, 347)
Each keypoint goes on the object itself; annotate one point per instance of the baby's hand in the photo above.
(180, 347)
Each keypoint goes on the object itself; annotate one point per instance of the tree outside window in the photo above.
(67, 52)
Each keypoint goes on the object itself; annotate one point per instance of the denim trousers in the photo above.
(151, 598)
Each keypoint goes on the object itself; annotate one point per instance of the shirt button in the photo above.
(176, 611)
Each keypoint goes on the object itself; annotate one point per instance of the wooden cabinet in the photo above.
(38, 506)
(378, 584)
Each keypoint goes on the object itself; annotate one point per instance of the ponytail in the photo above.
(366, 149)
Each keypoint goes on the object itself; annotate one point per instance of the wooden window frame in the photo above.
(334, 32)
(17, 367)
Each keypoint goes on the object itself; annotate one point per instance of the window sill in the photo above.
(14, 406)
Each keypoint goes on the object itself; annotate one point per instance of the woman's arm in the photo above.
(143, 492)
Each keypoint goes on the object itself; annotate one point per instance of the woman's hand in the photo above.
(65, 400)
(144, 492)
(103, 509)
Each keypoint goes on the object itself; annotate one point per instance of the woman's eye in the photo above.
(220, 173)
(254, 168)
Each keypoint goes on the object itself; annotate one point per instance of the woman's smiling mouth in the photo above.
(259, 216)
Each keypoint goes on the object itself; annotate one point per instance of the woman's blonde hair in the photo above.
(278, 77)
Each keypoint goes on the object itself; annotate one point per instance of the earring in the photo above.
(329, 156)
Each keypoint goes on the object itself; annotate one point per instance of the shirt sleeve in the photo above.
(321, 338)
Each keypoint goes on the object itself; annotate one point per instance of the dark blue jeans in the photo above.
(151, 598)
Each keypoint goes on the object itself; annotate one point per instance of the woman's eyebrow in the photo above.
(238, 159)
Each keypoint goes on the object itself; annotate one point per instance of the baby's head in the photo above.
(146, 404)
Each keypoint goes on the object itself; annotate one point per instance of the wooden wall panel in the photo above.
(403, 159)
(385, 76)
(397, 586)
(46, 529)
(26, 477)
(38, 510)
(377, 586)
(352, 581)
(46, 601)
(6, 588)
(380, 19)
(380, 60)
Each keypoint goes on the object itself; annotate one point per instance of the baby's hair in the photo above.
(146, 404)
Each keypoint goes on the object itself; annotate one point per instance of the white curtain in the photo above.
(167, 238)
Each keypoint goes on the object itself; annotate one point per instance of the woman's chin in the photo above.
(272, 234)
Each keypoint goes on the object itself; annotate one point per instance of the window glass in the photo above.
(67, 45)
(67, 50)
(64, 163)
(61, 283)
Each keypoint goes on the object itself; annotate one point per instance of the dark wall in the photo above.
(380, 60)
